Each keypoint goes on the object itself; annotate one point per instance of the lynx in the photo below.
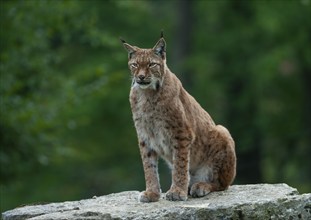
(172, 125)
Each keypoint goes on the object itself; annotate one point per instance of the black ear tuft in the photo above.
(162, 33)
(121, 39)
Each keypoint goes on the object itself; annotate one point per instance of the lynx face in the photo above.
(147, 65)
(146, 69)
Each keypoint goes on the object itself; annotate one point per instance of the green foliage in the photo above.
(66, 130)
(260, 59)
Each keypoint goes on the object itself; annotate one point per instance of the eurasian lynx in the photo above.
(171, 124)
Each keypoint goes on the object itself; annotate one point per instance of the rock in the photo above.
(260, 201)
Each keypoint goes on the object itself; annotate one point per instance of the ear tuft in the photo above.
(162, 33)
(121, 39)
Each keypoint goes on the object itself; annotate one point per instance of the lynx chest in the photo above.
(152, 123)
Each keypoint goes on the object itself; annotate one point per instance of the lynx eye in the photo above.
(151, 65)
(134, 65)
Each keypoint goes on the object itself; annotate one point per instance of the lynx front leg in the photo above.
(150, 164)
(180, 175)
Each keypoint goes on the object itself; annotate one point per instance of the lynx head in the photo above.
(147, 66)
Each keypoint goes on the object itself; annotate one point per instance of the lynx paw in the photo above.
(200, 189)
(149, 196)
(176, 194)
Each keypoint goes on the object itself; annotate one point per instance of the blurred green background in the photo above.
(66, 131)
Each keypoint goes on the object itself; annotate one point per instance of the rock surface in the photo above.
(260, 201)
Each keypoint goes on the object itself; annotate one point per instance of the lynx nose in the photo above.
(141, 77)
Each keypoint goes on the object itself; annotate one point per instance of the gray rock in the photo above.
(261, 201)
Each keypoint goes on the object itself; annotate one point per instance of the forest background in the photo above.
(66, 131)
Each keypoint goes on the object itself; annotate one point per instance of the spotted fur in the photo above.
(171, 124)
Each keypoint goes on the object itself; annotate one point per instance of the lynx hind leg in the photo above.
(226, 171)
(223, 166)
(200, 182)
(200, 189)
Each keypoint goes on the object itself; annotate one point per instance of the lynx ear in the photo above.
(160, 48)
(130, 49)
